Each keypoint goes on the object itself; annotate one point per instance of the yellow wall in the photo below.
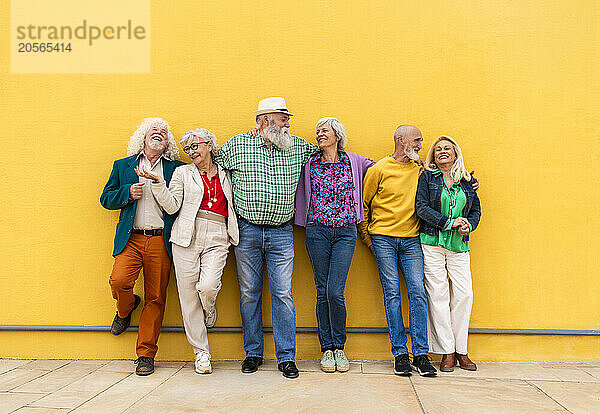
(517, 84)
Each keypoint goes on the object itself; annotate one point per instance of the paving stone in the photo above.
(575, 397)
(12, 401)
(125, 393)
(481, 395)
(19, 376)
(10, 364)
(56, 379)
(47, 364)
(81, 391)
(268, 391)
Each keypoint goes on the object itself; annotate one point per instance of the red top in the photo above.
(212, 191)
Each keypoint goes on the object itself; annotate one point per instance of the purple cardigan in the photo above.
(359, 165)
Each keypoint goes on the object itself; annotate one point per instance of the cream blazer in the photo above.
(185, 194)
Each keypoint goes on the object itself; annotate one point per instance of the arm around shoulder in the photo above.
(474, 215)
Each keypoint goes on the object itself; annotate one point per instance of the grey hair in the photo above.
(338, 129)
(404, 131)
(138, 139)
(259, 119)
(204, 135)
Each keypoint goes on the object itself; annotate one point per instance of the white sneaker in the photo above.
(202, 363)
(210, 317)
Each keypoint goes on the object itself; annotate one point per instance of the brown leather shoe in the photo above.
(465, 363)
(447, 364)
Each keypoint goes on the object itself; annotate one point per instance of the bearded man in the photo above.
(142, 236)
(265, 169)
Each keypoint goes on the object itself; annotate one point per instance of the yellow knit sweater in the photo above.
(389, 191)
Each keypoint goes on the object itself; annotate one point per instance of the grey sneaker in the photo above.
(145, 365)
(202, 364)
(341, 362)
(210, 317)
(328, 361)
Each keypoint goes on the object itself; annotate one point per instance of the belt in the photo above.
(210, 215)
(266, 226)
(153, 232)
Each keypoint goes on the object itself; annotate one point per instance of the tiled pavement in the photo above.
(90, 386)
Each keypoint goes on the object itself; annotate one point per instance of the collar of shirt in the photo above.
(141, 154)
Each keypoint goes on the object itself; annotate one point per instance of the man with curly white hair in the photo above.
(142, 236)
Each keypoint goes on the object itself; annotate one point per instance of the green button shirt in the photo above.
(449, 238)
(264, 179)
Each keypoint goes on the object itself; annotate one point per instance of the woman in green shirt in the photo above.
(449, 210)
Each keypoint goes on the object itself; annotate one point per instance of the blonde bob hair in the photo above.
(138, 139)
(458, 169)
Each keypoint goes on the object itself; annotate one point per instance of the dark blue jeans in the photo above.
(330, 250)
(404, 252)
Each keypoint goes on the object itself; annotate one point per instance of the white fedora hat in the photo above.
(271, 105)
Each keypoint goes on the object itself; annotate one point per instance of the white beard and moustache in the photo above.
(157, 146)
(280, 137)
(411, 153)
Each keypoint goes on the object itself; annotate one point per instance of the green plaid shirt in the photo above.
(264, 180)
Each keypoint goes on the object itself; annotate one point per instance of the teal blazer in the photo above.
(115, 196)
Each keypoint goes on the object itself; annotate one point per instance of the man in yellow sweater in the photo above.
(391, 230)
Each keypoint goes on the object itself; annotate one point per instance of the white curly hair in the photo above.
(137, 140)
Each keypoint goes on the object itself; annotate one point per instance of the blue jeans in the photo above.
(404, 252)
(330, 250)
(275, 246)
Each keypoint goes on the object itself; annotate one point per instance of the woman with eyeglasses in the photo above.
(201, 235)
(449, 210)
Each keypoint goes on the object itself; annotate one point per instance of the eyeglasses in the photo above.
(193, 147)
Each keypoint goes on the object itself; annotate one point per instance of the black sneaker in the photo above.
(145, 365)
(423, 366)
(402, 365)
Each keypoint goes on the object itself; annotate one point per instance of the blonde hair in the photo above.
(137, 140)
(458, 169)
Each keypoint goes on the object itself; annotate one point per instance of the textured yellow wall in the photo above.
(517, 84)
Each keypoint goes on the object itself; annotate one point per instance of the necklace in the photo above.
(212, 198)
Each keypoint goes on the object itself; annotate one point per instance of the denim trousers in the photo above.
(405, 253)
(330, 250)
(275, 247)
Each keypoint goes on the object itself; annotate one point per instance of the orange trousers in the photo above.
(149, 253)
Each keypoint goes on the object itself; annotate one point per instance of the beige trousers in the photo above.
(198, 270)
(449, 299)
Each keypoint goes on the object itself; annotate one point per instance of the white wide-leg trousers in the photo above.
(449, 298)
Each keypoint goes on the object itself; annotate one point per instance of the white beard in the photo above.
(280, 137)
(412, 154)
(156, 146)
